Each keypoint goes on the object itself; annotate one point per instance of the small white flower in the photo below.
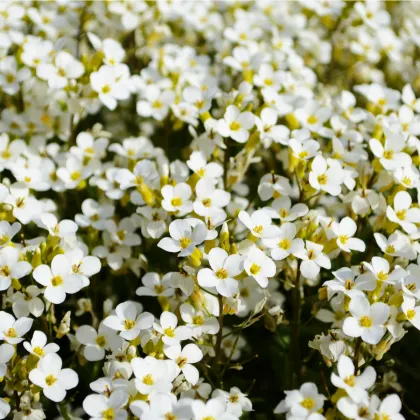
(129, 320)
(402, 213)
(236, 124)
(355, 386)
(58, 280)
(345, 232)
(184, 238)
(184, 359)
(224, 268)
(54, 381)
(38, 345)
(12, 330)
(259, 266)
(367, 321)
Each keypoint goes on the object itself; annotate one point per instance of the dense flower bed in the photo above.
(209, 209)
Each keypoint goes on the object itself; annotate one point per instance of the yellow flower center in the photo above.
(100, 340)
(283, 213)
(284, 244)
(184, 242)
(176, 202)
(157, 104)
(411, 313)
(159, 288)
(5, 271)
(343, 239)
(308, 403)
(303, 154)
(129, 323)
(348, 285)
(390, 249)
(38, 351)
(106, 89)
(350, 380)
(108, 414)
(75, 175)
(322, 179)
(221, 274)
(234, 126)
(401, 214)
(365, 321)
(207, 202)
(57, 281)
(388, 154)
(50, 380)
(258, 229)
(148, 380)
(181, 361)
(11, 333)
(255, 269)
(198, 320)
(312, 119)
(169, 332)
(382, 276)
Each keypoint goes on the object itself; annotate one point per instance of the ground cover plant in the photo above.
(209, 210)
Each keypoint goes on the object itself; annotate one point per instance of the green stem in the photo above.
(295, 339)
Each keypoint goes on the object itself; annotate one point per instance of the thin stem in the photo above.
(232, 351)
(219, 338)
(295, 339)
(356, 353)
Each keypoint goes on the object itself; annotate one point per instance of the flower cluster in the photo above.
(183, 182)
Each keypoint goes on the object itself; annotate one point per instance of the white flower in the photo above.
(313, 258)
(154, 285)
(129, 320)
(355, 386)
(214, 408)
(65, 67)
(259, 223)
(184, 238)
(367, 321)
(345, 230)
(102, 407)
(97, 342)
(389, 407)
(302, 402)
(184, 359)
(54, 381)
(236, 402)
(111, 84)
(198, 164)
(156, 104)
(326, 175)
(285, 243)
(259, 266)
(177, 199)
(171, 334)
(281, 208)
(209, 199)
(38, 345)
(380, 269)
(61, 229)
(153, 375)
(7, 232)
(402, 213)
(7, 351)
(236, 124)
(200, 322)
(390, 155)
(224, 268)
(11, 267)
(12, 330)
(58, 280)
